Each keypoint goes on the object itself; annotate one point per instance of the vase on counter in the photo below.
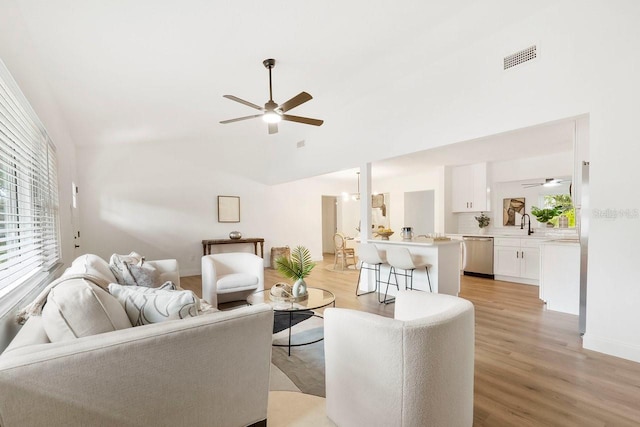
(481, 230)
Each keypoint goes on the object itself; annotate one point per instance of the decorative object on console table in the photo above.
(228, 209)
(483, 222)
(510, 207)
(235, 235)
(298, 266)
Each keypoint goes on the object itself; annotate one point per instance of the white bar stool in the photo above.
(400, 258)
(370, 255)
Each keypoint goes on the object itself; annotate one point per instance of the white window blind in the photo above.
(29, 242)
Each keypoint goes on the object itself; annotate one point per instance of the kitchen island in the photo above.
(444, 257)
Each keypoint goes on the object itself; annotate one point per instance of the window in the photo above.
(29, 242)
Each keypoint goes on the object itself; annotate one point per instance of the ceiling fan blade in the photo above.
(240, 119)
(305, 120)
(242, 101)
(273, 128)
(300, 98)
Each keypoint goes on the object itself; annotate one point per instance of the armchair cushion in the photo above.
(78, 308)
(237, 282)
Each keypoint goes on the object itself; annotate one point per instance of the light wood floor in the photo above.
(530, 367)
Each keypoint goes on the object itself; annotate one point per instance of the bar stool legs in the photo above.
(376, 269)
(408, 274)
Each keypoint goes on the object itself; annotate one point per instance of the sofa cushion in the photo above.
(91, 264)
(149, 305)
(78, 308)
(237, 282)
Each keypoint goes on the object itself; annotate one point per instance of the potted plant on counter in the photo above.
(297, 267)
(483, 221)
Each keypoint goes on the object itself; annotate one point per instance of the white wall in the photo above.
(160, 199)
(431, 178)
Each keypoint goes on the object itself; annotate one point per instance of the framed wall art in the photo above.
(228, 209)
(510, 207)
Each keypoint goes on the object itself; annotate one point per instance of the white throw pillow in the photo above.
(150, 305)
(78, 308)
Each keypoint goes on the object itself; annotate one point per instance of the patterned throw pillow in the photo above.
(148, 305)
(131, 270)
(116, 264)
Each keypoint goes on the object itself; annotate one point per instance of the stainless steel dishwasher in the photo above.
(478, 256)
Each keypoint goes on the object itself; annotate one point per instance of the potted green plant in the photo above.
(298, 266)
(545, 215)
(483, 221)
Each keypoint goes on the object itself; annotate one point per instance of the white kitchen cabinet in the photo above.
(469, 188)
(517, 259)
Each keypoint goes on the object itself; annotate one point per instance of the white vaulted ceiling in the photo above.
(148, 71)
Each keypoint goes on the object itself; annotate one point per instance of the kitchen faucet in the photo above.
(522, 221)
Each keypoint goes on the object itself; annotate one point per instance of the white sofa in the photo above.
(413, 370)
(207, 370)
(231, 276)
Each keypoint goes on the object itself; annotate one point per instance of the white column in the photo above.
(365, 202)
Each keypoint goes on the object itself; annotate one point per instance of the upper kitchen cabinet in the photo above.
(469, 188)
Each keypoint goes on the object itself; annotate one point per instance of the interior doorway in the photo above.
(329, 223)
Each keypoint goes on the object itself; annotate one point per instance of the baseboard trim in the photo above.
(611, 347)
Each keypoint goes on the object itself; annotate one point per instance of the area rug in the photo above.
(305, 366)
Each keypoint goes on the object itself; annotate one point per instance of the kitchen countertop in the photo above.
(551, 234)
(416, 241)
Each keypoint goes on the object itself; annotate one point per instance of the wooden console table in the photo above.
(206, 244)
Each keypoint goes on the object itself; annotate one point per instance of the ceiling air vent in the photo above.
(520, 57)
(300, 144)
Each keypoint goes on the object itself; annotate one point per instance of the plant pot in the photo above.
(481, 230)
(549, 225)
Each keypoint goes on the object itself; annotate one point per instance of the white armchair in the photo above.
(231, 276)
(413, 370)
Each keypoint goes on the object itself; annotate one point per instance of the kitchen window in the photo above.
(29, 242)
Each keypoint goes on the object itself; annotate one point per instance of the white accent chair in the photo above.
(413, 370)
(231, 276)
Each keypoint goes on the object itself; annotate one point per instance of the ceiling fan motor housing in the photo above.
(269, 63)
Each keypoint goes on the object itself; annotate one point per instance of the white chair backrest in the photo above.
(338, 240)
(369, 254)
(400, 258)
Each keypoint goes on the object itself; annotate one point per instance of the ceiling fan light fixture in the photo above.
(551, 183)
(271, 117)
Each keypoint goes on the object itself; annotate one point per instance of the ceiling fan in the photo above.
(273, 113)
(548, 182)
